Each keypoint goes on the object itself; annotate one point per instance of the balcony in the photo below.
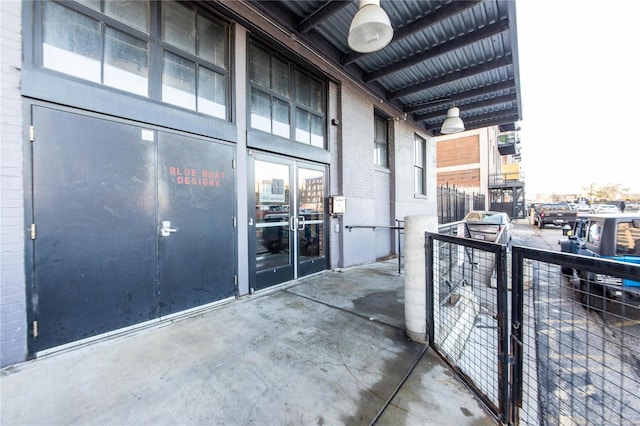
(508, 144)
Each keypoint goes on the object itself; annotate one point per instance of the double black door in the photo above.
(130, 224)
(289, 238)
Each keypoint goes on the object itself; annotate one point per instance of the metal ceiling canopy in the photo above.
(462, 50)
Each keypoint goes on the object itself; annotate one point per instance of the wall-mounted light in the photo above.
(370, 29)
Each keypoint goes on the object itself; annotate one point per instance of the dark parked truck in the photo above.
(610, 236)
(554, 214)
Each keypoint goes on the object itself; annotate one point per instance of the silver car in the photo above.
(489, 226)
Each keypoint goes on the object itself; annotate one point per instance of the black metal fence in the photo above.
(537, 346)
(453, 205)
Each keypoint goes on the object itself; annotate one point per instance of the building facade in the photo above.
(484, 161)
(161, 157)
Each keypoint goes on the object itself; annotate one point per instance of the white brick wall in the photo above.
(362, 182)
(13, 345)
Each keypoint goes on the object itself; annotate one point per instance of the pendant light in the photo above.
(370, 29)
(453, 123)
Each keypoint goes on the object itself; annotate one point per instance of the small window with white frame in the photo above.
(420, 179)
(381, 141)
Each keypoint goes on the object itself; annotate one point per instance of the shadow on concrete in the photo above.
(326, 349)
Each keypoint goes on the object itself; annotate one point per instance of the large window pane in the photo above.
(380, 151)
(302, 126)
(280, 72)
(125, 62)
(260, 67)
(281, 126)
(315, 96)
(419, 152)
(317, 131)
(212, 93)
(212, 42)
(302, 89)
(179, 26)
(179, 81)
(133, 13)
(260, 110)
(72, 43)
(419, 180)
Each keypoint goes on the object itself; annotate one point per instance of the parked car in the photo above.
(611, 236)
(605, 208)
(554, 214)
(490, 226)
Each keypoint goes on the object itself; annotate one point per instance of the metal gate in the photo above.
(536, 346)
(129, 224)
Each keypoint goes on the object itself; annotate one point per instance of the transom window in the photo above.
(286, 100)
(181, 57)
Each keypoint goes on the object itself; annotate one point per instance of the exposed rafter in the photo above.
(441, 49)
(448, 78)
(460, 96)
(327, 10)
(486, 103)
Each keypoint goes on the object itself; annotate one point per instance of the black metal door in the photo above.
(102, 259)
(94, 198)
(197, 245)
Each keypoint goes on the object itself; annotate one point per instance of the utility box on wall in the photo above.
(337, 205)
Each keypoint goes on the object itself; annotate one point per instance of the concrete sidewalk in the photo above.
(327, 349)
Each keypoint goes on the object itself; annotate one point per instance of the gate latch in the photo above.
(166, 229)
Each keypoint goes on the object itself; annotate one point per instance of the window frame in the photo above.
(156, 47)
(420, 165)
(380, 142)
(290, 98)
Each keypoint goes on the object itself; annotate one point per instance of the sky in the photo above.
(580, 91)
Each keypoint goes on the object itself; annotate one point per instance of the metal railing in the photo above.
(453, 205)
(537, 346)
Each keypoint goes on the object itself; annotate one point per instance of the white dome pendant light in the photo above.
(453, 123)
(370, 29)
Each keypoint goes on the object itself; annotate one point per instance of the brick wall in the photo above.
(456, 152)
(468, 178)
(13, 347)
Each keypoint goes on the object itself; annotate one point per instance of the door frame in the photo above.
(258, 280)
(29, 212)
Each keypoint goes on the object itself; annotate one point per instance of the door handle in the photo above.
(301, 223)
(292, 227)
(166, 228)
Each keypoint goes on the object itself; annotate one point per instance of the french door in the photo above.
(289, 238)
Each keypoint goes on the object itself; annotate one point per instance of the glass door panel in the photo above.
(309, 222)
(310, 214)
(272, 215)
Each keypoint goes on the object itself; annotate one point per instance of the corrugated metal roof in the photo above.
(462, 50)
